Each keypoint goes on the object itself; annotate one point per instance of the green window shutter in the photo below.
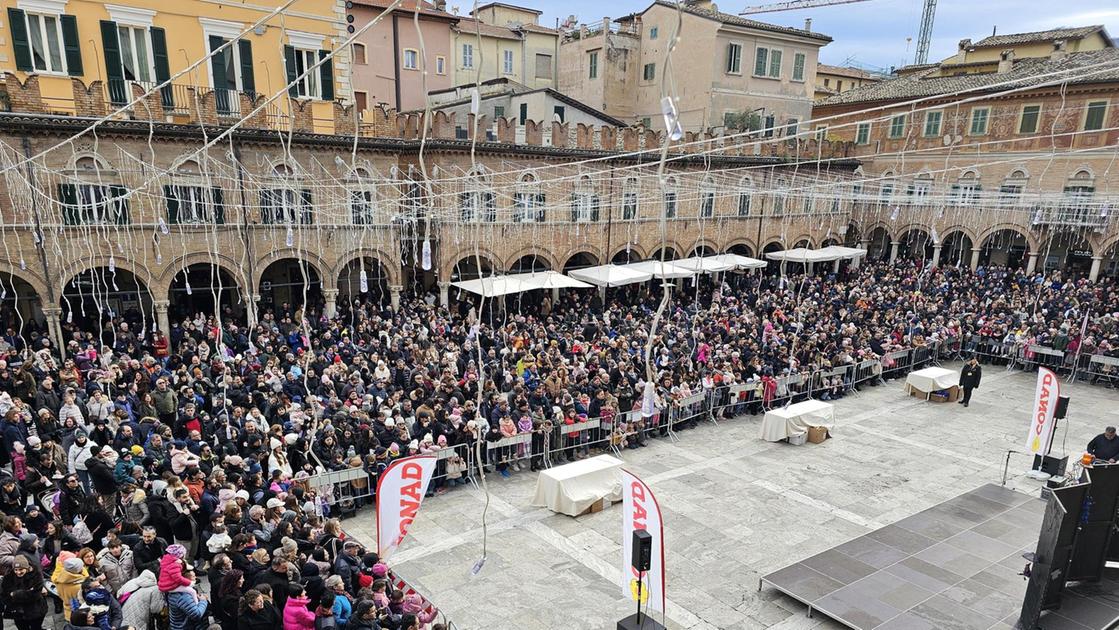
(17, 23)
(218, 200)
(306, 216)
(326, 75)
(289, 63)
(162, 65)
(217, 68)
(248, 82)
(594, 208)
(119, 201)
(114, 70)
(172, 200)
(68, 195)
(71, 45)
(539, 209)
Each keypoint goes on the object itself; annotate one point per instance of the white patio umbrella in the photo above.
(658, 269)
(610, 275)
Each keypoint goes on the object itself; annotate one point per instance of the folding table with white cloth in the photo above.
(573, 488)
(793, 421)
(934, 379)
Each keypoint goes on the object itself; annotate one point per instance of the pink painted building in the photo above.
(388, 61)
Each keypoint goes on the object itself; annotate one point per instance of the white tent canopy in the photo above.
(610, 275)
(706, 264)
(657, 269)
(826, 254)
(740, 262)
(496, 286)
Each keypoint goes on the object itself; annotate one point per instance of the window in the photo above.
(440, 65)
(979, 118)
(965, 192)
(1094, 115)
(592, 65)
(543, 66)
(838, 85)
(707, 204)
(744, 203)
(821, 133)
(650, 71)
(897, 126)
(775, 64)
(767, 128)
(932, 124)
(523, 115)
(478, 206)
(507, 61)
(231, 70)
(629, 200)
(798, 67)
(791, 128)
(761, 61)
(361, 101)
(135, 53)
(670, 200)
(363, 207)
(93, 204)
(499, 111)
(862, 133)
(285, 205)
(584, 202)
(1030, 115)
(411, 59)
(734, 58)
(653, 32)
(559, 112)
(359, 54)
(920, 188)
(306, 85)
(194, 205)
(467, 55)
(779, 198)
(528, 201)
(44, 42)
(886, 191)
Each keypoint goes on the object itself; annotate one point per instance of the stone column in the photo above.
(894, 251)
(1094, 274)
(936, 255)
(394, 296)
(974, 259)
(253, 306)
(53, 315)
(555, 296)
(444, 294)
(835, 266)
(330, 296)
(1031, 264)
(161, 319)
(865, 246)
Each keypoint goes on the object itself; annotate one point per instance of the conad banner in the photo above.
(1045, 406)
(400, 490)
(640, 511)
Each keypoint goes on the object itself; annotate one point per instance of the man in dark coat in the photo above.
(101, 473)
(147, 552)
(970, 376)
(1105, 446)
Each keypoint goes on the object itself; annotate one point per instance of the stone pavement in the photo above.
(735, 508)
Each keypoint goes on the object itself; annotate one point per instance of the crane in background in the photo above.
(924, 36)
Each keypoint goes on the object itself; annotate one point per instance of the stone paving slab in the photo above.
(737, 507)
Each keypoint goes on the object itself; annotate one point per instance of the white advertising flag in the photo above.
(400, 490)
(1045, 406)
(640, 511)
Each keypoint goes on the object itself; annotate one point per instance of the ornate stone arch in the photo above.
(451, 259)
(1031, 240)
(30, 277)
(586, 248)
(533, 250)
(311, 258)
(392, 272)
(748, 242)
(142, 274)
(963, 229)
(235, 269)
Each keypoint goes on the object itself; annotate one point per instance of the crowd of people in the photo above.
(167, 480)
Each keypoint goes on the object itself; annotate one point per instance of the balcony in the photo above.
(1079, 214)
(176, 103)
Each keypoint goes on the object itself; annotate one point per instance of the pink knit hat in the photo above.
(178, 551)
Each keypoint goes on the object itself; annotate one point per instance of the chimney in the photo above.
(964, 44)
(808, 24)
(1060, 50)
(605, 25)
(440, 5)
(1006, 61)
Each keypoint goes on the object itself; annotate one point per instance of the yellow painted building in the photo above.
(505, 41)
(116, 51)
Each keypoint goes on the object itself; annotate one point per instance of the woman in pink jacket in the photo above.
(296, 614)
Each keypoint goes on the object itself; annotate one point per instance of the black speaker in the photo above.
(641, 550)
(1050, 465)
(1062, 407)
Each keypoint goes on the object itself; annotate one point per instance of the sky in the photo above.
(874, 32)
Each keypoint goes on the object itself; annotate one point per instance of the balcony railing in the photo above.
(1073, 215)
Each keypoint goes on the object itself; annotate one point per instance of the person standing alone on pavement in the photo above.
(970, 376)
